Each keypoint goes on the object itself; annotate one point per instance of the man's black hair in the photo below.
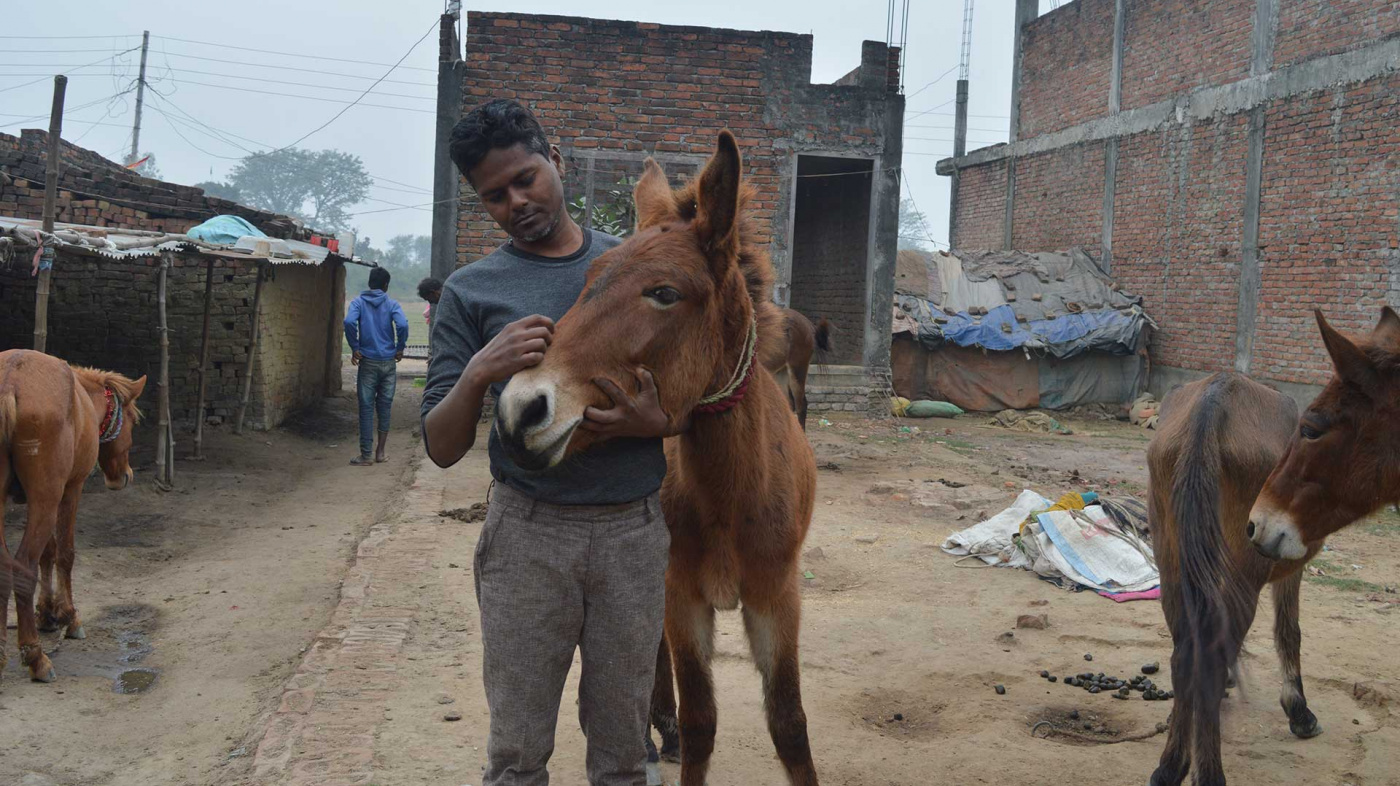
(495, 124)
(379, 279)
(428, 286)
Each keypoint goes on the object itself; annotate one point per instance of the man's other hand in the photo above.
(355, 358)
(641, 416)
(520, 346)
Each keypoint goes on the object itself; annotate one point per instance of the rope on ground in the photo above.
(1054, 730)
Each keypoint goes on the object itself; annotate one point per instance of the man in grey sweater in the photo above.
(573, 556)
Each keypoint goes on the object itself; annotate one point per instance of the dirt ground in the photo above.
(901, 647)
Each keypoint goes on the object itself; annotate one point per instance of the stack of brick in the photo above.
(96, 192)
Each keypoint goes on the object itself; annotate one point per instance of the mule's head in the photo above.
(113, 457)
(664, 301)
(1344, 461)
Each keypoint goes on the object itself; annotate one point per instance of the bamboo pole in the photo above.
(203, 361)
(41, 288)
(252, 351)
(165, 452)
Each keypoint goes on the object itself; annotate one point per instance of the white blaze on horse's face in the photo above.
(1274, 533)
(536, 417)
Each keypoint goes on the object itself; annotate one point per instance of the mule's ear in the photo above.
(137, 387)
(1387, 331)
(717, 199)
(1351, 363)
(652, 195)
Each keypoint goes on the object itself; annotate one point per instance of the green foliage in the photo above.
(614, 214)
(316, 187)
(913, 233)
(214, 188)
(406, 257)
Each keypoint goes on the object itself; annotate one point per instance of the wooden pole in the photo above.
(252, 351)
(165, 452)
(203, 361)
(41, 288)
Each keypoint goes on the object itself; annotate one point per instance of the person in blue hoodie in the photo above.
(370, 327)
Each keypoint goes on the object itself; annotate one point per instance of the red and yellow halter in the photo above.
(111, 427)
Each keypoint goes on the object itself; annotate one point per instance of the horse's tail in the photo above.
(9, 416)
(1212, 594)
(823, 336)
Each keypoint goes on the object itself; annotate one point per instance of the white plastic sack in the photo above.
(1088, 547)
(990, 540)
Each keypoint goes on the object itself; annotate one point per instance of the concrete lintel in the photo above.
(1321, 73)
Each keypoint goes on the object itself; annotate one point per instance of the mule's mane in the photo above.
(754, 263)
(123, 386)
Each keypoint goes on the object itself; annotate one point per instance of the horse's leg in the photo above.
(1176, 757)
(6, 566)
(1288, 639)
(46, 607)
(799, 381)
(38, 532)
(663, 705)
(772, 626)
(65, 537)
(690, 628)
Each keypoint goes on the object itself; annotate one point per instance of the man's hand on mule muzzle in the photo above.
(639, 416)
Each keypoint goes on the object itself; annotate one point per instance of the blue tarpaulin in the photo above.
(1064, 336)
(225, 230)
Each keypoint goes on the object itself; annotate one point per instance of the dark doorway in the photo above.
(831, 246)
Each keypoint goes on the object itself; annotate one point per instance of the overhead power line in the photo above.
(297, 84)
(74, 68)
(297, 54)
(308, 98)
(291, 68)
(66, 37)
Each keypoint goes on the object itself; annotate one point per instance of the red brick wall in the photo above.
(1059, 200)
(1172, 46)
(1066, 67)
(1328, 222)
(1308, 28)
(630, 86)
(982, 206)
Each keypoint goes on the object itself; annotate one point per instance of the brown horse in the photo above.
(804, 340)
(56, 422)
(1215, 446)
(688, 297)
(1345, 463)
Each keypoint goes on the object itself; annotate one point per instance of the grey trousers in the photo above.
(550, 578)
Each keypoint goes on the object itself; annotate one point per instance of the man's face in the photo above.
(434, 296)
(521, 190)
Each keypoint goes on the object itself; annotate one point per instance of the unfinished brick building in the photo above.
(102, 304)
(1236, 161)
(824, 157)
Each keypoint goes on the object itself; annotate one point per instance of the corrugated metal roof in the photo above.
(120, 243)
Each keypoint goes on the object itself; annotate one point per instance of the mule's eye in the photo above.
(1309, 432)
(664, 296)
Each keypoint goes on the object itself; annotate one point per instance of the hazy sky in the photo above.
(353, 39)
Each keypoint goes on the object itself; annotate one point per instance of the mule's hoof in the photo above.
(47, 676)
(48, 623)
(75, 632)
(1307, 729)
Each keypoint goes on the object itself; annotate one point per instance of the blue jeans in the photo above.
(375, 384)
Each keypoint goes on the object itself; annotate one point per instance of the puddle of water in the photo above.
(135, 681)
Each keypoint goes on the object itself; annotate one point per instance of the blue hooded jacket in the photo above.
(371, 323)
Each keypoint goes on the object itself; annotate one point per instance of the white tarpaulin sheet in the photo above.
(1085, 547)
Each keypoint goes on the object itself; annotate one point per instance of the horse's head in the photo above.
(666, 300)
(1344, 462)
(114, 453)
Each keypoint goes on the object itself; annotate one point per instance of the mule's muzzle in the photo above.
(1275, 535)
(528, 426)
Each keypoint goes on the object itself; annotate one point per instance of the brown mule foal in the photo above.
(56, 422)
(689, 298)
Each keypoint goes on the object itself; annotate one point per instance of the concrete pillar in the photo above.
(959, 148)
(1247, 310)
(1115, 77)
(1026, 12)
(884, 240)
(443, 258)
(1110, 149)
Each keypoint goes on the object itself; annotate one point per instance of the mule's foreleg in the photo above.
(772, 628)
(6, 568)
(663, 705)
(690, 628)
(1288, 640)
(65, 537)
(47, 606)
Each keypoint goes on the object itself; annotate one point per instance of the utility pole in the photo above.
(140, 97)
(41, 289)
(960, 122)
